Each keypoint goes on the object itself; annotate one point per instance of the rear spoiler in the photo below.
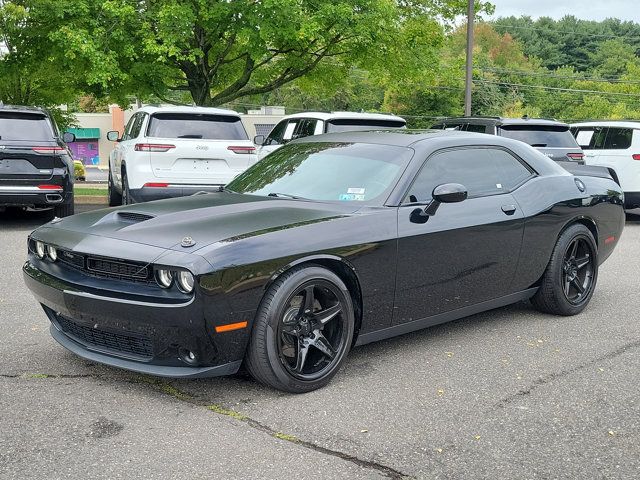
(590, 171)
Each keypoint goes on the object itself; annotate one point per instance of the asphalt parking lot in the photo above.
(510, 393)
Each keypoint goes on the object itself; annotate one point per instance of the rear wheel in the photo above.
(570, 279)
(126, 194)
(115, 198)
(302, 332)
(64, 209)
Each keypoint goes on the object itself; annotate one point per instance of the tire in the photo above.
(64, 209)
(571, 275)
(126, 194)
(115, 198)
(299, 340)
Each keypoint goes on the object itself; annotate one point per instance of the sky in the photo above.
(583, 9)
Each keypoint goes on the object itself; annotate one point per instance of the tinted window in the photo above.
(127, 129)
(275, 137)
(308, 170)
(557, 136)
(484, 171)
(349, 125)
(193, 125)
(476, 128)
(25, 126)
(590, 138)
(137, 125)
(618, 138)
(305, 128)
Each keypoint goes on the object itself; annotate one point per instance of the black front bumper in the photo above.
(148, 194)
(141, 335)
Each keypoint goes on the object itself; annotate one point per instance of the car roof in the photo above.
(504, 120)
(608, 123)
(151, 109)
(346, 116)
(22, 109)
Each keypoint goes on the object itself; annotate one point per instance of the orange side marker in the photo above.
(230, 326)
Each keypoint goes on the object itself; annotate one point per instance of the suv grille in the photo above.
(139, 345)
(118, 269)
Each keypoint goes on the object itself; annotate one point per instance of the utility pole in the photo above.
(469, 66)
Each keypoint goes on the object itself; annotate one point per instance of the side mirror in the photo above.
(68, 137)
(259, 139)
(113, 136)
(445, 193)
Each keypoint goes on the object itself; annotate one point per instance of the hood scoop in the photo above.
(134, 217)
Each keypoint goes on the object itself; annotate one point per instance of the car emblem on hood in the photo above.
(188, 242)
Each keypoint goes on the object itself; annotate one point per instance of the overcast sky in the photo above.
(584, 9)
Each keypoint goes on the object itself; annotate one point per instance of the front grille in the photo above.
(118, 269)
(73, 259)
(134, 217)
(138, 345)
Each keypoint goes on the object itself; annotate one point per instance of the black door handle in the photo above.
(509, 209)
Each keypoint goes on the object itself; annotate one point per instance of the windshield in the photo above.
(25, 126)
(557, 136)
(192, 125)
(351, 125)
(348, 172)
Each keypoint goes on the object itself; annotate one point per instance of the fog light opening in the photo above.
(187, 356)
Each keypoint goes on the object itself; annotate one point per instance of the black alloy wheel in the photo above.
(115, 199)
(302, 331)
(570, 278)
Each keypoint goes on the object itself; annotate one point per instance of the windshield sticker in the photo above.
(351, 197)
(359, 191)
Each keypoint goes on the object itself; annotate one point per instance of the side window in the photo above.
(454, 126)
(438, 126)
(484, 171)
(127, 129)
(306, 127)
(289, 131)
(137, 125)
(275, 137)
(476, 128)
(590, 138)
(618, 139)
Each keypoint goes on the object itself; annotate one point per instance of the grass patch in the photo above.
(84, 191)
(36, 375)
(226, 411)
(286, 437)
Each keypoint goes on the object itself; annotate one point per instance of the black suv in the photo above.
(36, 168)
(551, 137)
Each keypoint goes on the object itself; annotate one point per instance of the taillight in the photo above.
(153, 147)
(636, 156)
(49, 187)
(156, 185)
(48, 149)
(576, 156)
(242, 149)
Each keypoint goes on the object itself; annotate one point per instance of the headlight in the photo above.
(53, 253)
(186, 281)
(164, 277)
(40, 249)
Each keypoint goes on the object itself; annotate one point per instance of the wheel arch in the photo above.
(583, 220)
(340, 267)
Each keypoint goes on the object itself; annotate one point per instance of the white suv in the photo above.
(615, 145)
(174, 151)
(314, 123)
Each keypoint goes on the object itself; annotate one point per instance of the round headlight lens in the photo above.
(164, 277)
(186, 281)
(40, 249)
(53, 253)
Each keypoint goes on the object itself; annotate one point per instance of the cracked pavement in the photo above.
(510, 393)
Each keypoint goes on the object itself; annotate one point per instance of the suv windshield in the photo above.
(25, 126)
(194, 125)
(557, 136)
(351, 172)
(351, 125)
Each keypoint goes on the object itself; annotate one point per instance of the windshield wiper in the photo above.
(285, 195)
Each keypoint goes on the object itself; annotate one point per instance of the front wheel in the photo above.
(126, 194)
(302, 331)
(570, 278)
(115, 198)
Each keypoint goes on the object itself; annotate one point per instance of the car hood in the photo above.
(206, 218)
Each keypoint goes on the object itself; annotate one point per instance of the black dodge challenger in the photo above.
(330, 242)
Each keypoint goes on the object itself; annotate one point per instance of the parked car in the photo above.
(616, 146)
(174, 151)
(36, 169)
(315, 123)
(292, 264)
(551, 137)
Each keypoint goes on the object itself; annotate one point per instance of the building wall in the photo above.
(117, 118)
